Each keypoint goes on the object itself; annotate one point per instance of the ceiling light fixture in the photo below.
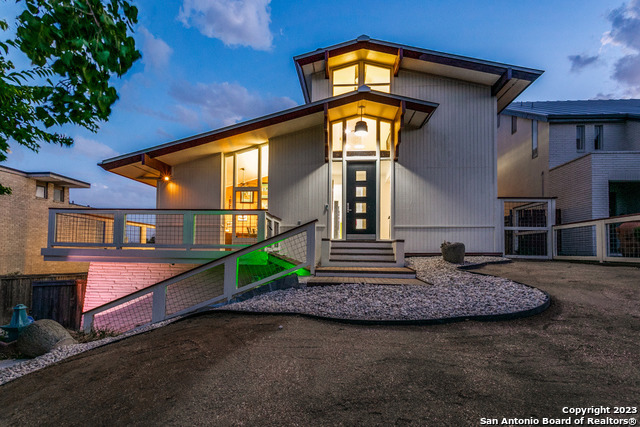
(361, 128)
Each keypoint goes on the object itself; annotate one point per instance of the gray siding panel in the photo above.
(611, 167)
(193, 185)
(563, 141)
(319, 87)
(446, 175)
(298, 177)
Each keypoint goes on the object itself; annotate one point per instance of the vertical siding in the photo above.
(194, 185)
(563, 141)
(571, 183)
(319, 87)
(611, 167)
(298, 177)
(520, 175)
(446, 175)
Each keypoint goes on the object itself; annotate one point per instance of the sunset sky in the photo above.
(211, 63)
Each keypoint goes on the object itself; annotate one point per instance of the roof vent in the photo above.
(363, 38)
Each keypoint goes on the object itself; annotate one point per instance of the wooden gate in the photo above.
(59, 300)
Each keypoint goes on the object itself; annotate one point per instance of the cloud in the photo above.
(92, 148)
(155, 52)
(578, 62)
(235, 22)
(226, 103)
(625, 32)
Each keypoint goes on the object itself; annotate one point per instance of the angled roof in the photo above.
(146, 165)
(574, 111)
(506, 81)
(61, 180)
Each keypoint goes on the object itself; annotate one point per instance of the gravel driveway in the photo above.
(236, 369)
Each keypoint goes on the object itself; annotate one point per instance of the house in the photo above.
(584, 153)
(24, 220)
(393, 151)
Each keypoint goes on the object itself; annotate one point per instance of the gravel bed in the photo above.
(449, 292)
(16, 371)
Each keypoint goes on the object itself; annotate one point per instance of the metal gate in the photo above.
(528, 227)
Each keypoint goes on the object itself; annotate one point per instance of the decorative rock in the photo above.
(453, 252)
(41, 337)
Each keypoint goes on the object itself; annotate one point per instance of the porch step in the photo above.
(358, 257)
(366, 244)
(338, 280)
(361, 251)
(366, 272)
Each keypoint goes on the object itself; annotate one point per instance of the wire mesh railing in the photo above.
(157, 229)
(291, 252)
(527, 227)
(615, 239)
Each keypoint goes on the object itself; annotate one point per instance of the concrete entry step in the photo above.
(338, 280)
(366, 271)
(359, 257)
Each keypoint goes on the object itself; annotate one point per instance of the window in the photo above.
(41, 190)
(347, 79)
(597, 140)
(534, 139)
(514, 124)
(246, 175)
(580, 137)
(58, 194)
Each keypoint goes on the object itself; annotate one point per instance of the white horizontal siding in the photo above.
(446, 175)
(562, 139)
(571, 184)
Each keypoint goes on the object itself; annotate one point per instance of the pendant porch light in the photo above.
(361, 128)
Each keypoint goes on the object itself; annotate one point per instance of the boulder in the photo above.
(41, 337)
(453, 252)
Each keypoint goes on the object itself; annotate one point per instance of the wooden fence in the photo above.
(58, 297)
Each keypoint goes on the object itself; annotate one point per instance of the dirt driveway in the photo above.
(230, 369)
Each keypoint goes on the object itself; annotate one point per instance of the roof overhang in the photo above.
(61, 180)
(506, 81)
(573, 118)
(151, 164)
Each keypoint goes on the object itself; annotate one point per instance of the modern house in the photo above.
(393, 152)
(24, 216)
(584, 153)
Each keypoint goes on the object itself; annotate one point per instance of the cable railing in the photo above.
(290, 252)
(615, 239)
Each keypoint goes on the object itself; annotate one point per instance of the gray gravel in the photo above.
(449, 292)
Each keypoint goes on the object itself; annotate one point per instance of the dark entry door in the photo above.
(361, 199)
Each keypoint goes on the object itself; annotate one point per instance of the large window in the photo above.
(247, 179)
(534, 139)
(580, 138)
(597, 140)
(348, 78)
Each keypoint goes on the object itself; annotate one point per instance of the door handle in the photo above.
(348, 209)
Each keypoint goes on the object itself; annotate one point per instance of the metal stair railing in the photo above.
(218, 281)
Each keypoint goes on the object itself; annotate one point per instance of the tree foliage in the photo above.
(74, 46)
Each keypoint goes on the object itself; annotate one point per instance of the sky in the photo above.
(207, 64)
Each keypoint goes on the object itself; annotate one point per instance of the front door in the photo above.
(361, 200)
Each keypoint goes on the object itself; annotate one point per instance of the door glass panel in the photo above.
(361, 191)
(361, 208)
(361, 223)
(361, 175)
(336, 199)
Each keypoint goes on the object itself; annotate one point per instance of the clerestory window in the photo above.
(348, 78)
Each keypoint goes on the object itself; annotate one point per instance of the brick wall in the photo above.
(24, 227)
(108, 281)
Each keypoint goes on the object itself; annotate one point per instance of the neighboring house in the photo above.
(24, 218)
(584, 153)
(424, 171)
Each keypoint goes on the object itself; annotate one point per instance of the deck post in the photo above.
(118, 228)
(87, 322)
(188, 219)
(230, 277)
(53, 217)
(159, 301)
(311, 247)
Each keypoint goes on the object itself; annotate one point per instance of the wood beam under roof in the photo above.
(155, 164)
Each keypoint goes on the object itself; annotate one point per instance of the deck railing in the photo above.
(291, 252)
(158, 229)
(615, 239)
